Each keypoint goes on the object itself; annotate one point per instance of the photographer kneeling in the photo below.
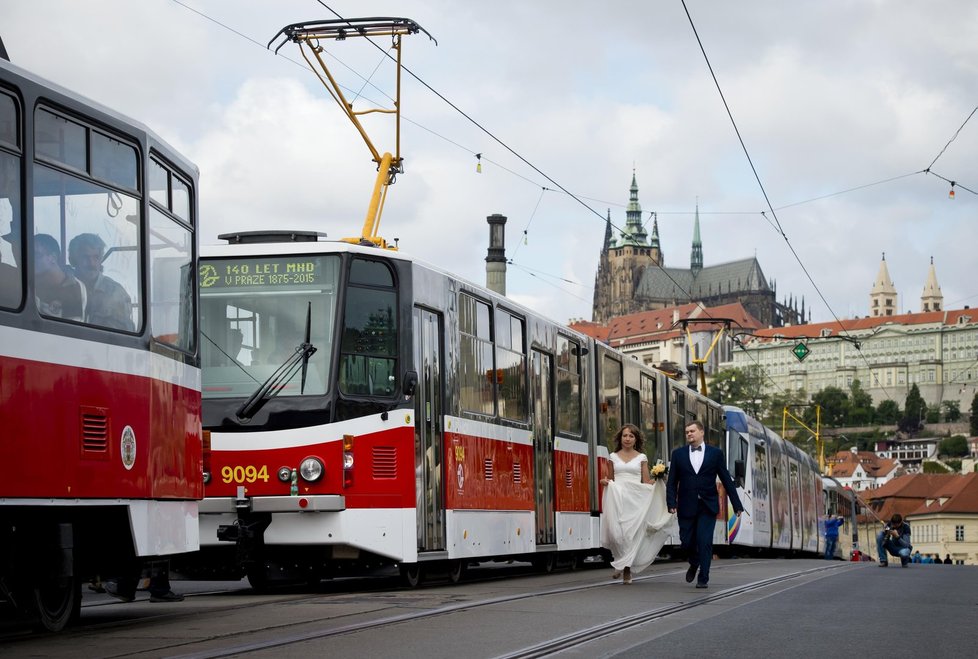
(895, 539)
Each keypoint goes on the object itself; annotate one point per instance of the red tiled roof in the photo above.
(952, 317)
(909, 495)
(657, 324)
(594, 330)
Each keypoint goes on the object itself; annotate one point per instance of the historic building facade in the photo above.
(887, 352)
(632, 276)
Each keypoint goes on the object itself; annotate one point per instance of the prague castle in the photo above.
(632, 276)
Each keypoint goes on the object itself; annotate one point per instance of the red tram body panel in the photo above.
(99, 365)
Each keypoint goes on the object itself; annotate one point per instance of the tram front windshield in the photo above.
(253, 313)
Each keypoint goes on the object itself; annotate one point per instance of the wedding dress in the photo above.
(634, 515)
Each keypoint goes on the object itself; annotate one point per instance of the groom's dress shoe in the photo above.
(691, 573)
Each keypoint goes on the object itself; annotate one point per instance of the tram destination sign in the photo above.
(264, 272)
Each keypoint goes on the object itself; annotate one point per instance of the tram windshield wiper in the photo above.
(282, 375)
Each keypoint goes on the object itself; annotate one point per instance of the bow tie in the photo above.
(695, 448)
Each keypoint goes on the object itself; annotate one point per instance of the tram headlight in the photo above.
(311, 469)
(348, 461)
(285, 474)
(207, 477)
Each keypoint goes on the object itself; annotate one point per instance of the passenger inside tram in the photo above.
(59, 294)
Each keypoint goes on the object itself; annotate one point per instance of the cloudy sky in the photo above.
(841, 104)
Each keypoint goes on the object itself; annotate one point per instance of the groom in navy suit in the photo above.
(693, 473)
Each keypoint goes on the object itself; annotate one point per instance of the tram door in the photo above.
(543, 447)
(428, 435)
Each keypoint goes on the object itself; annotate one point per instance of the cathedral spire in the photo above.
(696, 260)
(931, 299)
(634, 233)
(609, 240)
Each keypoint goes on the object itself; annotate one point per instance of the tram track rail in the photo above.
(542, 649)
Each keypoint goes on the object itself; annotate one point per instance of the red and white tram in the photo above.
(361, 408)
(99, 371)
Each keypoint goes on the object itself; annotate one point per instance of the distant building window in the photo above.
(959, 533)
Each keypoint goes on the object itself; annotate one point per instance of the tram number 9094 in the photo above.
(244, 474)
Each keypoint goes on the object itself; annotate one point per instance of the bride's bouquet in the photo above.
(659, 470)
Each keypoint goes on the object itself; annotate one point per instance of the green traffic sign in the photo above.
(800, 351)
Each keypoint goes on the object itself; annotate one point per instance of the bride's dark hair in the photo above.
(639, 440)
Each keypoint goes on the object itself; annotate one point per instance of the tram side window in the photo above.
(610, 418)
(477, 374)
(568, 386)
(648, 425)
(511, 366)
(96, 226)
(678, 415)
(368, 351)
(171, 275)
(11, 217)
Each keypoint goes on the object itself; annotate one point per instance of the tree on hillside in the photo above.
(914, 411)
(860, 405)
(952, 410)
(792, 399)
(955, 446)
(835, 407)
(887, 412)
(974, 415)
(743, 387)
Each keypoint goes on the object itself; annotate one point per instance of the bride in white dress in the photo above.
(634, 511)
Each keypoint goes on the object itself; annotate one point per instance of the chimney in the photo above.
(496, 256)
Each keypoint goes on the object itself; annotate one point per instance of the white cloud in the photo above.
(829, 96)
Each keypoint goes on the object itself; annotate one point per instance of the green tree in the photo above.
(743, 387)
(933, 415)
(887, 412)
(955, 446)
(914, 411)
(835, 407)
(860, 405)
(952, 410)
(778, 401)
(974, 415)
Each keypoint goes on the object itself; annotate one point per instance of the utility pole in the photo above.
(819, 446)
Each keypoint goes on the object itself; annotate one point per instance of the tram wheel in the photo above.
(55, 604)
(456, 570)
(411, 574)
(545, 562)
(258, 579)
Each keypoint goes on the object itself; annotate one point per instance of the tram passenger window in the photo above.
(511, 367)
(477, 372)
(369, 341)
(114, 161)
(568, 386)
(11, 218)
(610, 415)
(100, 225)
(648, 426)
(678, 416)
(171, 282)
(61, 140)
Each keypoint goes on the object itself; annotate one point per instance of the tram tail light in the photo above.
(347, 460)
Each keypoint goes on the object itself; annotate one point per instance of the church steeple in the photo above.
(634, 233)
(609, 238)
(883, 296)
(696, 260)
(931, 299)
